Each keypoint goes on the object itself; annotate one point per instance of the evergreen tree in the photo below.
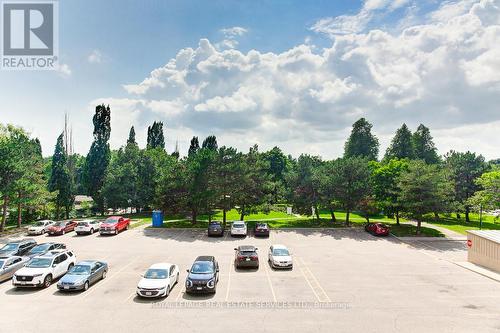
(99, 155)
(210, 143)
(277, 169)
(423, 146)
(156, 137)
(60, 179)
(361, 142)
(194, 146)
(131, 137)
(401, 145)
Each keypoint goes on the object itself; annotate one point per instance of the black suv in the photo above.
(203, 275)
(215, 229)
(19, 248)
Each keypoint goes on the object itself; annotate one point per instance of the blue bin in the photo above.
(157, 218)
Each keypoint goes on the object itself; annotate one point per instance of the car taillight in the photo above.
(254, 258)
(241, 258)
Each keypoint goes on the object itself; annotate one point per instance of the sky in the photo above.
(293, 74)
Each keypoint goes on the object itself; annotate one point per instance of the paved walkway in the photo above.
(448, 234)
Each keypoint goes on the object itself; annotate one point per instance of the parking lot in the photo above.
(342, 280)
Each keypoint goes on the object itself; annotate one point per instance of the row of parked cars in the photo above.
(111, 226)
(238, 228)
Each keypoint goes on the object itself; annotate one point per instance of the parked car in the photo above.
(215, 229)
(377, 229)
(43, 248)
(238, 228)
(113, 225)
(62, 227)
(42, 270)
(17, 248)
(261, 229)
(9, 265)
(40, 227)
(87, 227)
(158, 280)
(246, 256)
(203, 275)
(280, 257)
(83, 275)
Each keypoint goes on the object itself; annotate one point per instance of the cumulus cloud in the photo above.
(231, 36)
(443, 73)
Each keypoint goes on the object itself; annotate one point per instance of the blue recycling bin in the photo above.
(157, 218)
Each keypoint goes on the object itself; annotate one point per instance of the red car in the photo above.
(113, 225)
(62, 227)
(377, 229)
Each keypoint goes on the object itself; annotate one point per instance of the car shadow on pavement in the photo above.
(144, 300)
(245, 270)
(23, 291)
(197, 297)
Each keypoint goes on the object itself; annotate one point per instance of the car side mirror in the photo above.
(235, 249)
(217, 270)
(54, 266)
(256, 248)
(187, 270)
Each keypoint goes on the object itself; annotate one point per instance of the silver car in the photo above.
(9, 265)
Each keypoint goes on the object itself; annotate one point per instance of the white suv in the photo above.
(87, 227)
(42, 270)
(238, 228)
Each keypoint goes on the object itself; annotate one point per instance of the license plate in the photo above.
(247, 259)
(66, 287)
(148, 293)
(198, 288)
(22, 282)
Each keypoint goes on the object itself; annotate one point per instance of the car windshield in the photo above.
(202, 267)
(280, 252)
(40, 248)
(39, 263)
(156, 274)
(214, 224)
(111, 220)
(9, 247)
(82, 224)
(238, 225)
(40, 224)
(60, 224)
(80, 270)
(248, 253)
(1, 263)
(261, 226)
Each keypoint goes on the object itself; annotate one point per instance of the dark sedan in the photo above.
(215, 229)
(19, 248)
(261, 229)
(203, 275)
(246, 256)
(377, 229)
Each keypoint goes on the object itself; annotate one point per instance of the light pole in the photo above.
(225, 208)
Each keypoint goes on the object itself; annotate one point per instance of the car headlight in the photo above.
(211, 283)
(37, 275)
(189, 283)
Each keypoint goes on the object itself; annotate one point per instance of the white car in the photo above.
(42, 270)
(238, 228)
(280, 257)
(40, 227)
(87, 227)
(158, 280)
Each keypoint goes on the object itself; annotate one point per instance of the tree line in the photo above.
(410, 181)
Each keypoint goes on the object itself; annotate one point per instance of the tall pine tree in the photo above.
(361, 142)
(210, 143)
(99, 155)
(423, 146)
(60, 179)
(156, 139)
(401, 145)
(194, 146)
(131, 137)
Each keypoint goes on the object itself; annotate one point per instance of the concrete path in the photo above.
(448, 234)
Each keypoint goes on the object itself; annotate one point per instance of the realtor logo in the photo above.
(29, 34)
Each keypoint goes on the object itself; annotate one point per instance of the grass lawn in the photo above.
(460, 226)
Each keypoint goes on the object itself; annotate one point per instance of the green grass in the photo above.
(460, 226)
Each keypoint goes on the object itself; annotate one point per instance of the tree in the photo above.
(304, 185)
(156, 137)
(194, 146)
(423, 145)
(384, 184)
(277, 169)
(401, 145)
(424, 189)
(350, 182)
(465, 168)
(489, 196)
(326, 188)
(131, 137)
(60, 179)
(361, 142)
(210, 142)
(99, 155)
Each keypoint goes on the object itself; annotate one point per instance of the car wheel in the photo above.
(167, 292)
(86, 286)
(104, 274)
(63, 232)
(177, 278)
(116, 231)
(70, 266)
(47, 281)
(91, 231)
(126, 228)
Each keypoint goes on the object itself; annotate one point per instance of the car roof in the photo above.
(161, 265)
(238, 222)
(205, 258)
(53, 253)
(87, 220)
(87, 262)
(246, 248)
(279, 246)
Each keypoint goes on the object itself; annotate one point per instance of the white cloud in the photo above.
(63, 69)
(443, 73)
(234, 31)
(95, 57)
(231, 36)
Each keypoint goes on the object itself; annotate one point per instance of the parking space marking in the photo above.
(269, 280)
(105, 281)
(229, 278)
(315, 280)
(179, 234)
(313, 283)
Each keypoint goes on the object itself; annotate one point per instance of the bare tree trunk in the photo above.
(242, 215)
(224, 215)
(397, 217)
(19, 209)
(332, 213)
(4, 212)
(194, 215)
(419, 223)
(316, 210)
(467, 211)
(347, 217)
(436, 216)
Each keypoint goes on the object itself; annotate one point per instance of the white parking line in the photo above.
(314, 281)
(105, 281)
(181, 292)
(269, 280)
(307, 280)
(229, 279)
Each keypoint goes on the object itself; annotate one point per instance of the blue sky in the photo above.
(318, 64)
